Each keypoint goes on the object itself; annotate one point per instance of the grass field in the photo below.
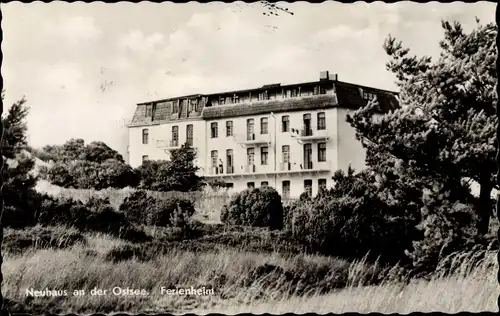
(248, 275)
(237, 287)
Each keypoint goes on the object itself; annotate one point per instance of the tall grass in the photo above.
(476, 291)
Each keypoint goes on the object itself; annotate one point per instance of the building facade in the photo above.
(290, 137)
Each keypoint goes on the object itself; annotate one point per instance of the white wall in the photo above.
(162, 134)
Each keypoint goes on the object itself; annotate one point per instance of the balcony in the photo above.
(249, 168)
(213, 171)
(305, 167)
(171, 144)
(285, 166)
(309, 135)
(253, 139)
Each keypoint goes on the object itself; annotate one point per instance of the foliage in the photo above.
(18, 193)
(96, 215)
(446, 128)
(443, 134)
(88, 166)
(143, 209)
(176, 174)
(259, 207)
(354, 218)
(18, 241)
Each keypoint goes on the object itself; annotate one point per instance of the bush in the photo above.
(351, 220)
(259, 207)
(17, 241)
(96, 215)
(143, 209)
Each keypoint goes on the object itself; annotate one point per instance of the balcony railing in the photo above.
(249, 168)
(285, 166)
(253, 139)
(216, 170)
(174, 143)
(309, 134)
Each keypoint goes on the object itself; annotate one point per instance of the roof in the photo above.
(267, 106)
(347, 95)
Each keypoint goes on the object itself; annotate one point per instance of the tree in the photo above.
(176, 174)
(18, 193)
(445, 130)
(95, 165)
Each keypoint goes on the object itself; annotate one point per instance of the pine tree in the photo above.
(18, 191)
(446, 129)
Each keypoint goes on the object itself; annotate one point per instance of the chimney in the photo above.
(323, 75)
(334, 77)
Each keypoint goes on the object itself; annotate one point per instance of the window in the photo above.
(229, 128)
(229, 160)
(214, 130)
(221, 101)
(175, 135)
(321, 121)
(307, 125)
(322, 183)
(145, 158)
(145, 136)
(263, 125)
(307, 156)
(236, 99)
(213, 158)
(286, 153)
(263, 96)
(251, 156)
(264, 184)
(189, 134)
(286, 188)
(149, 110)
(321, 151)
(229, 100)
(175, 107)
(308, 186)
(294, 93)
(192, 105)
(251, 185)
(250, 129)
(285, 123)
(264, 153)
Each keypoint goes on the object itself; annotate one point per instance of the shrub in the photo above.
(17, 241)
(143, 209)
(259, 207)
(351, 220)
(96, 215)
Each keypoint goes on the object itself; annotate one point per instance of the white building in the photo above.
(291, 137)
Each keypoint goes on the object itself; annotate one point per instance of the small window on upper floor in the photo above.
(149, 110)
(214, 132)
(222, 101)
(321, 121)
(175, 107)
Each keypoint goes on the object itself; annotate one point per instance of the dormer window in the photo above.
(236, 99)
(175, 107)
(263, 96)
(222, 101)
(192, 105)
(149, 110)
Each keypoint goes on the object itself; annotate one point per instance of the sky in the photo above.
(83, 67)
